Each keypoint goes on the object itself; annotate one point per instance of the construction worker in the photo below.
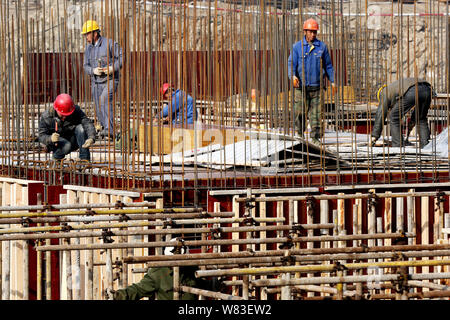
(158, 282)
(307, 63)
(181, 104)
(65, 127)
(102, 62)
(398, 98)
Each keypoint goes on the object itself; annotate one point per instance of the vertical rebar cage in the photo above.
(231, 57)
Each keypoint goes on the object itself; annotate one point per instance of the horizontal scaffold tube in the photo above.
(210, 242)
(372, 280)
(98, 212)
(342, 196)
(90, 218)
(135, 224)
(311, 253)
(86, 206)
(211, 294)
(312, 288)
(83, 234)
(323, 268)
(188, 261)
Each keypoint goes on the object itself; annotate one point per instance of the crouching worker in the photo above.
(157, 283)
(66, 128)
(180, 108)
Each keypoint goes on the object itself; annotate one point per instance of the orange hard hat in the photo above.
(310, 24)
(64, 104)
(164, 88)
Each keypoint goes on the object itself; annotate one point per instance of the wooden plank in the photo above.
(125, 193)
(235, 236)
(411, 223)
(263, 235)
(341, 217)
(74, 197)
(19, 248)
(425, 230)
(66, 272)
(89, 257)
(388, 217)
(6, 248)
(324, 218)
(400, 215)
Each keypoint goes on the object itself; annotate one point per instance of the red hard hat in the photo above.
(164, 88)
(64, 104)
(310, 24)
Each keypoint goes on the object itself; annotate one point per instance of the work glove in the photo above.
(373, 140)
(98, 127)
(55, 137)
(89, 142)
(109, 294)
(108, 70)
(97, 71)
(295, 82)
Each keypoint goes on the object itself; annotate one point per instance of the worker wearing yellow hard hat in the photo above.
(102, 62)
(89, 26)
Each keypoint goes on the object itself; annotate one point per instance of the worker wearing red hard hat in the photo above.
(180, 108)
(65, 128)
(308, 64)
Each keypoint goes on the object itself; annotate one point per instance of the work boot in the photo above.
(315, 136)
(316, 142)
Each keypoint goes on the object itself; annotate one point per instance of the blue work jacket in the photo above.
(181, 99)
(312, 58)
(104, 53)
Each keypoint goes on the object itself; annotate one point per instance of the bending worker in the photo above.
(398, 98)
(65, 128)
(180, 108)
(314, 56)
(102, 62)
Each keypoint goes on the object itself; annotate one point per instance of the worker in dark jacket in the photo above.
(308, 63)
(398, 98)
(66, 128)
(158, 282)
(102, 62)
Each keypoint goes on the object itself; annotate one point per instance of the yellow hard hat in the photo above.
(90, 25)
(379, 91)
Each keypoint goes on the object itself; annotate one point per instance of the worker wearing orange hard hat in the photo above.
(308, 64)
(65, 128)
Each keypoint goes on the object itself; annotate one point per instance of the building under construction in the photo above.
(272, 214)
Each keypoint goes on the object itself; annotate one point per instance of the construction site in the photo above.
(240, 194)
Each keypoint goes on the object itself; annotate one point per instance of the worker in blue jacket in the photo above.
(180, 108)
(102, 62)
(308, 63)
